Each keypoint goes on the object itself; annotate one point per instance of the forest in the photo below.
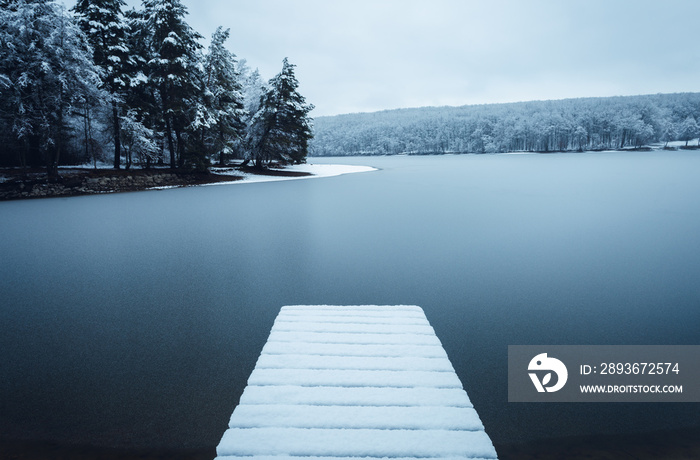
(539, 126)
(100, 84)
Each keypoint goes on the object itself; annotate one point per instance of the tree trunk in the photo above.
(117, 136)
(221, 147)
(90, 147)
(180, 156)
(23, 154)
(52, 163)
(86, 130)
(168, 123)
(171, 144)
(53, 158)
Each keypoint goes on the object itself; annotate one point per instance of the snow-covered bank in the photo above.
(20, 183)
(670, 146)
(314, 171)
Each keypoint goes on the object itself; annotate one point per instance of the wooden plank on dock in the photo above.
(341, 383)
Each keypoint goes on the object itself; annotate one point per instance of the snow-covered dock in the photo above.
(354, 382)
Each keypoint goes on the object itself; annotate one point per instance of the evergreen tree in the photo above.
(669, 133)
(137, 140)
(689, 129)
(220, 115)
(172, 68)
(253, 87)
(142, 101)
(104, 25)
(9, 59)
(281, 129)
(47, 74)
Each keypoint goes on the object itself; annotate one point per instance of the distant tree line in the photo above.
(541, 126)
(98, 83)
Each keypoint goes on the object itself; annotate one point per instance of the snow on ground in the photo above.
(317, 170)
(354, 382)
(679, 144)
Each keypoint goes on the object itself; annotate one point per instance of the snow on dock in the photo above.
(354, 382)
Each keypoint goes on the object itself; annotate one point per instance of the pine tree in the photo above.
(103, 23)
(138, 140)
(253, 89)
(220, 115)
(9, 59)
(49, 73)
(172, 68)
(689, 129)
(668, 133)
(142, 98)
(281, 129)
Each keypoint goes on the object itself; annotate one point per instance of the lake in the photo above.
(134, 319)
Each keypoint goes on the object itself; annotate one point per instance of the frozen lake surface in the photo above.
(135, 319)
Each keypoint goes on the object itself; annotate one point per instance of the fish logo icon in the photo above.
(541, 364)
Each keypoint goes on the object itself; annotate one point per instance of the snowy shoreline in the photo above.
(20, 184)
(313, 170)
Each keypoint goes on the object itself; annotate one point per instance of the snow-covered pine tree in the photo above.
(9, 155)
(221, 114)
(137, 139)
(173, 68)
(253, 88)
(141, 101)
(106, 29)
(49, 71)
(281, 129)
(668, 133)
(689, 129)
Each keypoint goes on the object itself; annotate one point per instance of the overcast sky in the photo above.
(368, 55)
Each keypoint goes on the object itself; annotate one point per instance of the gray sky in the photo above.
(363, 55)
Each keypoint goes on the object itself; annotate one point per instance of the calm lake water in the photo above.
(135, 319)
